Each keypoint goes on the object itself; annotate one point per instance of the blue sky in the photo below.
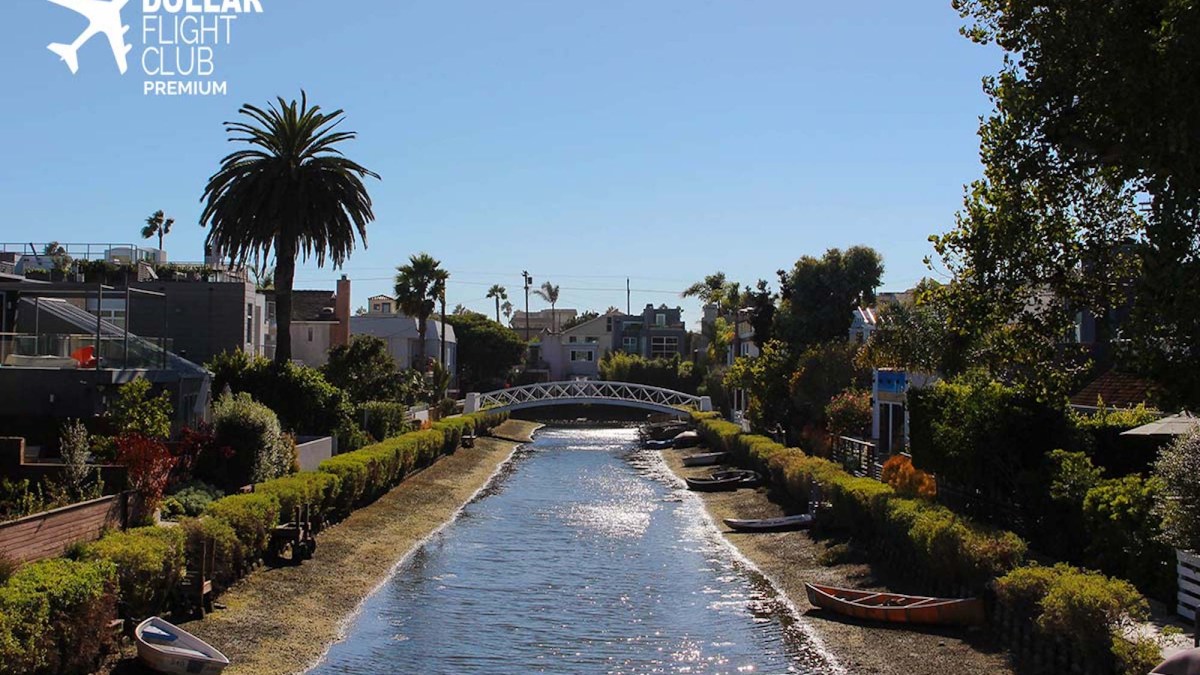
(585, 142)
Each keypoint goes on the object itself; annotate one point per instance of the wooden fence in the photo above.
(49, 534)
(857, 456)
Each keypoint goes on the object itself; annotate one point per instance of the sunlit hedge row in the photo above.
(1076, 607)
(54, 614)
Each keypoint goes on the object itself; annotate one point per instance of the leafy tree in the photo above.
(487, 351)
(766, 381)
(1096, 106)
(364, 369)
(549, 293)
(306, 403)
(292, 192)
(136, 411)
(761, 303)
(917, 337)
(849, 413)
(500, 294)
(818, 295)
(419, 285)
(1177, 467)
(157, 225)
(582, 318)
(673, 373)
(507, 308)
(822, 372)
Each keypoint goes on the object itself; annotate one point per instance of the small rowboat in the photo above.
(687, 439)
(797, 522)
(658, 445)
(896, 608)
(721, 481)
(169, 649)
(704, 459)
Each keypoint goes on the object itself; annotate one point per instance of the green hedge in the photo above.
(957, 552)
(365, 475)
(252, 517)
(384, 419)
(149, 562)
(216, 539)
(315, 489)
(54, 617)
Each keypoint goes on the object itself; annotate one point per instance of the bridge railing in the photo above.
(616, 393)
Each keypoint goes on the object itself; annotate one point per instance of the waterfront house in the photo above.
(400, 333)
(575, 353)
(545, 319)
(320, 322)
(659, 332)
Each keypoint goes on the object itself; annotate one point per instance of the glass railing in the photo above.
(63, 351)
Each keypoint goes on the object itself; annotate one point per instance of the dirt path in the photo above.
(281, 620)
(791, 558)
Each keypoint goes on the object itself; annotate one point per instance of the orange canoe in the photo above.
(896, 608)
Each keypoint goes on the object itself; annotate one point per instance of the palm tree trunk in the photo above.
(421, 361)
(497, 309)
(285, 272)
(443, 336)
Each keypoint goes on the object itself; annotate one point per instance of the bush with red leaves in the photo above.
(149, 464)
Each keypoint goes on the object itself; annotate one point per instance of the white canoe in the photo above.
(704, 459)
(687, 439)
(796, 522)
(169, 649)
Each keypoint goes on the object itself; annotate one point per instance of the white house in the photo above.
(400, 333)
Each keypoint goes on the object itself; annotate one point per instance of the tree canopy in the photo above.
(487, 350)
(364, 369)
(818, 295)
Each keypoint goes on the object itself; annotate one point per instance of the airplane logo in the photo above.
(104, 16)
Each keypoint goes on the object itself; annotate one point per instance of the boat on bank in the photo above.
(784, 523)
(896, 608)
(167, 648)
(704, 459)
(722, 481)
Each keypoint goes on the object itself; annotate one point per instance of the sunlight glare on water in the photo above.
(585, 556)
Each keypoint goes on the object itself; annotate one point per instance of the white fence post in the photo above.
(706, 404)
(472, 404)
(1189, 584)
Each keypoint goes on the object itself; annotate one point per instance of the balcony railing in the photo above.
(77, 351)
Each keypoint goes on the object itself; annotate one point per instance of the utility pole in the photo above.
(528, 282)
(628, 305)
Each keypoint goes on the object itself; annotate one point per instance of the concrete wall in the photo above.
(313, 451)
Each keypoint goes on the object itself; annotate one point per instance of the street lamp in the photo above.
(528, 283)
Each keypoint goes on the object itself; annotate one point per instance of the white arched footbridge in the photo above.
(593, 392)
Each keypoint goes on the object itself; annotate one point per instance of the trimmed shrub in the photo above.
(149, 563)
(1125, 537)
(54, 617)
(315, 489)
(384, 419)
(1078, 608)
(305, 401)
(190, 500)
(224, 551)
(907, 480)
(261, 451)
(252, 517)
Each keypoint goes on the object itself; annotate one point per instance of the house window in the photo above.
(629, 344)
(660, 320)
(608, 325)
(249, 323)
(376, 307)
(271, 312)
(662, 346)
(586, 355)
(310, 334)
(746, 348)
(573, 339)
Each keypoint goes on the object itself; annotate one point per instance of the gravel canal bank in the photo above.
(791, 558)
(281, 620)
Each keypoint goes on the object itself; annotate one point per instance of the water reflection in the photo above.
(583, 558)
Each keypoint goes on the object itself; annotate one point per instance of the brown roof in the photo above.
(308, 305)
(1116, 389)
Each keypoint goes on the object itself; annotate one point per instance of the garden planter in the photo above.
(1189, 584)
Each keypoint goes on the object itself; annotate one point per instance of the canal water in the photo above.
(584, 556)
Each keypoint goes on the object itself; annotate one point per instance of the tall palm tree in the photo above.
(507, 308)
(549, 293)
(291, 191)
(499, 293)
(157, 224)
(419, 284)
(714, 290)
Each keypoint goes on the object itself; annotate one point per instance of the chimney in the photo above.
(341, 311)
